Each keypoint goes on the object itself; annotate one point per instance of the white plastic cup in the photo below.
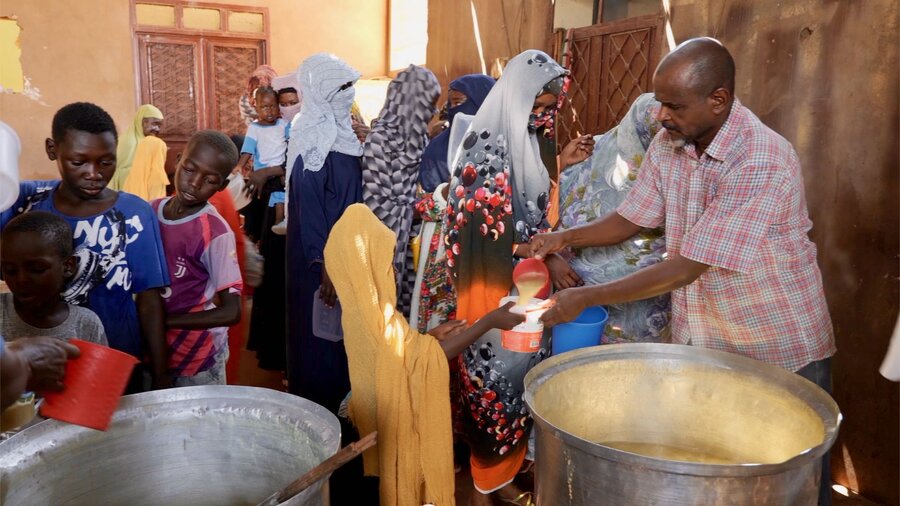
(526, 336)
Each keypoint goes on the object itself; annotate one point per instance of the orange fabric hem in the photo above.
(489, 478)
(553, 212)
(477, 300)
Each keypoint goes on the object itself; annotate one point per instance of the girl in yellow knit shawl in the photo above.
(141, 157)
(399, 377)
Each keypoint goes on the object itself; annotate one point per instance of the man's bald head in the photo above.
(700, 65)
(694, 85)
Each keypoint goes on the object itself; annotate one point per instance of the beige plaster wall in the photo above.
(73, 50)
(76, 50)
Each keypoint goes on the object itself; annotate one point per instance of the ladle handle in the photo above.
(328, 466)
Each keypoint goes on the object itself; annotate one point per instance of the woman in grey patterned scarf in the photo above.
(391, 157)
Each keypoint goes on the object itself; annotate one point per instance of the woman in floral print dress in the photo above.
(596, 187)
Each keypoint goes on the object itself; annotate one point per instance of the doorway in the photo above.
(192, 62)
(611, 63)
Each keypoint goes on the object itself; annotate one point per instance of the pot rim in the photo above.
(322, 423)
(810, 393)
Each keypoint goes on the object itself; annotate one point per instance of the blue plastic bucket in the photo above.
(584, 331)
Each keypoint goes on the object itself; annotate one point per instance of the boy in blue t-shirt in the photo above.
(121, 263)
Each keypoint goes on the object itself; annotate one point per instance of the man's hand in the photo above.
(448, 329)
(561, 273)
(46, 358)
(564, 306)
(576, 151)
(327, 292)
(543, 245)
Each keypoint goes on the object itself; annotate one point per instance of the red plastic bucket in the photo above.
(94, 382)
(533, 267)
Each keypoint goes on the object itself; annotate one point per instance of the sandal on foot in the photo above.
(526, 496)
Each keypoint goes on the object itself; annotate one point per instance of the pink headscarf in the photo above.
(264, 75)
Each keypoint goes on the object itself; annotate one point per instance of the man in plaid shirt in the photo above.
(740, 266)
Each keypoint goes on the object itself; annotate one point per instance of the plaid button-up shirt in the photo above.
(740, 208)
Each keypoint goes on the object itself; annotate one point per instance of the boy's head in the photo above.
(288, 103)
(36, 257)
(288, 97)
(266, 104)
(83, 146)
(208, 159)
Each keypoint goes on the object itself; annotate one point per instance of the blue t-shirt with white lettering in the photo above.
(119, 252)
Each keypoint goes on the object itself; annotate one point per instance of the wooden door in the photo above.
(172, 80)
(611, 64)
(229, 65)
(196, 82)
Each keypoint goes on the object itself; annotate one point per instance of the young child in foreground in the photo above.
(121, 266)
(204, 298)
(36, 261)
(266, 142)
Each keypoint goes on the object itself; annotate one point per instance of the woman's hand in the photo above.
(504, 319)
(561, 273)
(448, 329)
(436, 127)
(257, 180)
(327, 292)
(255, 183)
(576, 151)
(361, 130)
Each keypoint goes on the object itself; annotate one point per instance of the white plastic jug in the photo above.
(326, 322)
(526, 336)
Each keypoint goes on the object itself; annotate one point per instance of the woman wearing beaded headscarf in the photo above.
(326, 178)
(262, 76)
(499, 197)
(391, 156)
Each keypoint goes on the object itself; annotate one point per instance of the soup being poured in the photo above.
(529, 284)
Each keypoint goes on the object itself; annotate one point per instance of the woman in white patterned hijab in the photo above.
(323, 124)
(326, 178)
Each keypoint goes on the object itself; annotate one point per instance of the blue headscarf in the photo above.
(433, 169)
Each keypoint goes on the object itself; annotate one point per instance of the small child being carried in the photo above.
(204, 298)
(266, 142)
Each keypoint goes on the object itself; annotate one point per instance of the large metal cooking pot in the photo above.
(196, 446)
(668, 424)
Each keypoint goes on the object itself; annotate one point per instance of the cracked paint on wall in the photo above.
(11, 76)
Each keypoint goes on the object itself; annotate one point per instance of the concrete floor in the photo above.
(249, 374)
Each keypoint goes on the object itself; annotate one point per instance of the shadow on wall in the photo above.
(824, 75)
